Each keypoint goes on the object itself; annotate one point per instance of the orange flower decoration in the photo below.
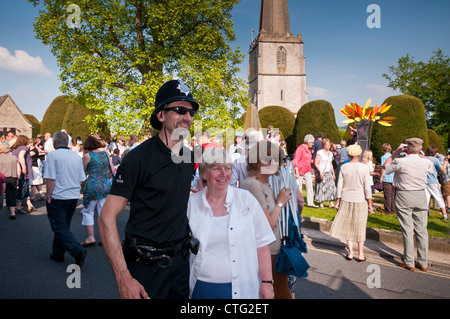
(354, 112)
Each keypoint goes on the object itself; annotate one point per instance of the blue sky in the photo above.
(344, 57)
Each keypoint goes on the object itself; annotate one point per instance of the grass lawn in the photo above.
(437, 226)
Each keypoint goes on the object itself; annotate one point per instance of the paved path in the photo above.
(390, 248)
(27, 272)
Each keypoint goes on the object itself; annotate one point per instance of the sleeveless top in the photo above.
(97, 183)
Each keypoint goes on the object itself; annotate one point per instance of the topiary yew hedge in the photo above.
(434, 139)
(279, 117)
(54, 115)
(35, 123)
(315, 116)
(64, 113)
(75, 124)
(410, 122)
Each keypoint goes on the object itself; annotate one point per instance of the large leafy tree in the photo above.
(428, 81)
(121, 51)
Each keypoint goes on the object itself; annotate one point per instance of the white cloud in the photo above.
(318, 92)
(22, 62)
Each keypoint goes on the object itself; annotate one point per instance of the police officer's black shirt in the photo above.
(158, 189)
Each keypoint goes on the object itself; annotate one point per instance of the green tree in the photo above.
(123, 51)
(428, 81)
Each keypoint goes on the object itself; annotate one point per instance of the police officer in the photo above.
(153, 261)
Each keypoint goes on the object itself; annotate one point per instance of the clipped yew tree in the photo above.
(434, 139)
(35, 123)
(54, 115)
(75, 121)
(315, 116)
(410, 122)
(279, 117)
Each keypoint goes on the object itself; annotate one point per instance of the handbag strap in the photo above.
(326, 163)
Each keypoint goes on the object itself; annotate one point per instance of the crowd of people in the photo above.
(207, 227)
(31, 170)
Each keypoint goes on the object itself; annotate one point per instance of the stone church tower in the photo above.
(276, 74)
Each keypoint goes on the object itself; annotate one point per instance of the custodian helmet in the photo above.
(171, 91)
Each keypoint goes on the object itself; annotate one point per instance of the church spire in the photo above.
(274, 18)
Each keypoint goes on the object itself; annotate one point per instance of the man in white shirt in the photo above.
(239, 171)
(48, 145)
(134, 141)
(121, 145)
(410, 181)
(63, 174)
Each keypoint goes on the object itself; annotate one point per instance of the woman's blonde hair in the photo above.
(367, 156)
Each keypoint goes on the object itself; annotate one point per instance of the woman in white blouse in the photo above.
(354, 196)
(326, 188)
(233, 260)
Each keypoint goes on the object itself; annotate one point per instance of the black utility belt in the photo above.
(143, 252)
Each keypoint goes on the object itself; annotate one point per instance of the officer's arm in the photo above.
(128, 286)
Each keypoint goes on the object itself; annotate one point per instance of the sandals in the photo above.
(85, 244)
(20, 211)
(357, 259)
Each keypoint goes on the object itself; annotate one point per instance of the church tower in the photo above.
(276, 74)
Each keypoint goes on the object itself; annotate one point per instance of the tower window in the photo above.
(281, 59)
(282, 95)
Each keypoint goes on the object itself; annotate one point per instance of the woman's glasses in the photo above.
(181, 110)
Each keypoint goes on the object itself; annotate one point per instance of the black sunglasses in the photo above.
(181, 110)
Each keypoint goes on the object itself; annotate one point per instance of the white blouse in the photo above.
(325, 164)
(248, 229)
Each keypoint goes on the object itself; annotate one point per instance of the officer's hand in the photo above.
(132, 289)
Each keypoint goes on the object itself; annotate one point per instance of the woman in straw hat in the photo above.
(354, 196)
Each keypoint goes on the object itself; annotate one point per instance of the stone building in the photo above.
(276, 73)
(12, 118)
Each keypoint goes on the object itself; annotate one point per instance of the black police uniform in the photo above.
(158, 190)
